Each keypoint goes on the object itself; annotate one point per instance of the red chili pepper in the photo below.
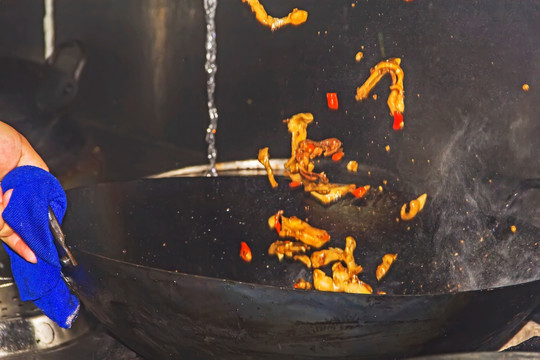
(332, 100)
(310, 147)
(398, 121)
(245, 252)
(294, 184)
(337, 156)
(359, 192)
(277, 224)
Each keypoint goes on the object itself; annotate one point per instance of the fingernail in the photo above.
(31, 257)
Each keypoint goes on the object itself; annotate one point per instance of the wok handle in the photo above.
(60, 240)
(523, 187)
(68, 57)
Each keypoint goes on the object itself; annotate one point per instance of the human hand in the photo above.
(10, 237)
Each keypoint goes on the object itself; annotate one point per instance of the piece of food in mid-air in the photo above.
(245, 252)
(335, 192)
(295, 17)
(265, 161)
(415, 206)
(383, 268)
(397, 94)
(332, 100)
(297, 229)
(297, 126)
(352, 166)
(307, 150)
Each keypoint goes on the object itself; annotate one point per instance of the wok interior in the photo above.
(195, 226)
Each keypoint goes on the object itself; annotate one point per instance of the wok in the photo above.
(159, 266)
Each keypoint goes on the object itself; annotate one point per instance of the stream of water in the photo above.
(211, 69)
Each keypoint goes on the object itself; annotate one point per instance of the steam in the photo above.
(473, 244)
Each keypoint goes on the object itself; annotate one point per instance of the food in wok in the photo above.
(297, 229)
(383, 268)
(265, 161)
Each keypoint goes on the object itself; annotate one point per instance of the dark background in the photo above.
(142, 95)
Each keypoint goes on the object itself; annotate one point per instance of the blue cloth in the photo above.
(34, 190)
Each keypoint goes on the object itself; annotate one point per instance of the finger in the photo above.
(17, 244)
(6, 197)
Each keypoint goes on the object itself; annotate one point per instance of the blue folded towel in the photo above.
(34, 190)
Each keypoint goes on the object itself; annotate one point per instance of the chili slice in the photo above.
(398, 121)
(277, 223)
(337, 156)
(245, 252)
(294, 184)
(332, 100)
(359, 192)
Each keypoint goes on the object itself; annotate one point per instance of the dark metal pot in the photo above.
(159, 266)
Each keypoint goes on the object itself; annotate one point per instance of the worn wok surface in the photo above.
(159, 266)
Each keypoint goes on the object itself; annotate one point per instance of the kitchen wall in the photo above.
(21, 28)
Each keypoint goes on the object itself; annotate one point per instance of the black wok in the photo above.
(159, 266)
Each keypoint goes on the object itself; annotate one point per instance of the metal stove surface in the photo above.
(98, 344)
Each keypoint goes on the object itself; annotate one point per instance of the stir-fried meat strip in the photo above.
(383, 268)
(327, 256)
(303, 259)
(397, 94)
(287, 248)
(341, 281)
(335, 192)
(352, 166)
(308, 150)
(415, 206)
(300, 166)
(265, 161)
(297, 126)
(350, 246)
(295, 17)
(302, 284)
(322, 282)
(311, 149)
(357, 286)
(348, 282)
(324, 257)
(300, 230)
